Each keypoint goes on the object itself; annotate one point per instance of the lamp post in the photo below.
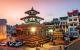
(50, 30)
(51, 34)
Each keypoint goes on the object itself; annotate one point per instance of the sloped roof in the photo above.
(74, 13)
(3, 21)
(31, 17)
(75, 45)
(32, 12)
(63, 18)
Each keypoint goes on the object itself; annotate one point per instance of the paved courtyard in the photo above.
(45, 47)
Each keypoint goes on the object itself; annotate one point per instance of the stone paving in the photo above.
(45, 47)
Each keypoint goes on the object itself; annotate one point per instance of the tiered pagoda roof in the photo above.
(31, 17)
(32, 14)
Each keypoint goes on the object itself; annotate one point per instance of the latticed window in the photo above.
(75, 19)
(71, 24)
(38, 20)
(30, 19)
(70, 19)
(71, 29)
(33, 19)
(75, 24)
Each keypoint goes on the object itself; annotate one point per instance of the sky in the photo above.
(13, 10)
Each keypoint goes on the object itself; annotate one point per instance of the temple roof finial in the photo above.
(32, 8)
(32, 12)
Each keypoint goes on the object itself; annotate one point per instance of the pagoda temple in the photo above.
(32, 31)
(32, 18)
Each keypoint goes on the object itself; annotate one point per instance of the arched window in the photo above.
(32, 19)
(26, 20)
